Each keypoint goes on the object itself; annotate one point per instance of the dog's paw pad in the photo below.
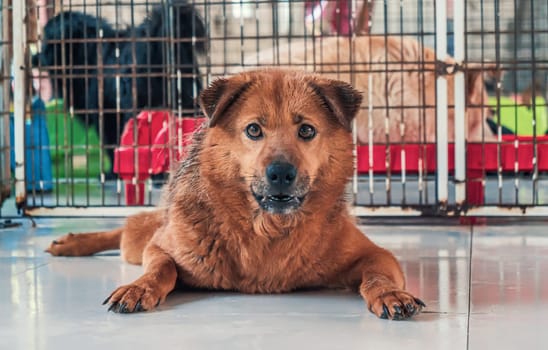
(396, 305)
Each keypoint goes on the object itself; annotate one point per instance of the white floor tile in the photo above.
(509, 287)
(55, 303)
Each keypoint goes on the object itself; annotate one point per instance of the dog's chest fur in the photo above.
(251, 264)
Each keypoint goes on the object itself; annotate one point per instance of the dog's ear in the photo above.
(489, 70)
(217, 99)
(340, 99)
(478, 77)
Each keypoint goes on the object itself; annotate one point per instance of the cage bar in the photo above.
(5, 144)
(442, 173)
(19, 102)
(460, 104)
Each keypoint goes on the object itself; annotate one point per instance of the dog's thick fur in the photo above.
(222, 225)
(397, 78)
(99, 69)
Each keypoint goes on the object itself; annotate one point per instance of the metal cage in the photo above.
(453, 123)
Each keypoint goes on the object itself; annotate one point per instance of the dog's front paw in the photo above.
(396, 305)
(133, 298)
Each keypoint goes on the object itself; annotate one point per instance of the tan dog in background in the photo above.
(258, 206)
(397, 78)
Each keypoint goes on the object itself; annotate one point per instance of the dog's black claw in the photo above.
(398, 317)
(138, 307)
(113, 307)
(397, 309)
(385, 312)
(410, 309)
(123, 308)
(106, 300)
(398, 313)
(158, 302)
(420, 302)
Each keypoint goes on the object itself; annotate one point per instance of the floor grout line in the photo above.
(36, 267)
(469, 287)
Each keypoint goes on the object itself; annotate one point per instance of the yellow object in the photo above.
(520, 119)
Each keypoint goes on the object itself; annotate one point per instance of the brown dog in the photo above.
(258, 206)
(397, 77)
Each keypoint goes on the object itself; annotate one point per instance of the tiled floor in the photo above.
(55, 303)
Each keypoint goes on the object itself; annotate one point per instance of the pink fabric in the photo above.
(329, 11)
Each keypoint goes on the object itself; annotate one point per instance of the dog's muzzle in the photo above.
(278, 192)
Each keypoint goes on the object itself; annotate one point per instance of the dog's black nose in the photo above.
(281, 175)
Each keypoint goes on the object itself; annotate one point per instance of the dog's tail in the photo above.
(179, 19)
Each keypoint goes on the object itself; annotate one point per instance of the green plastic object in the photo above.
(519, 118)
(74, 148)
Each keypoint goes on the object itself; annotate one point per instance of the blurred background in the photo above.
(99, 97)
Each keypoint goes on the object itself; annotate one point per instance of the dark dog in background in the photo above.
(95, 67)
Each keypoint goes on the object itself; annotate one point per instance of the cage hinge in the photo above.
(444, 68)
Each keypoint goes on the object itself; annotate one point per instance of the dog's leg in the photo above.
(150, 289)
(131, 239)
(377, 275)
(84, 244)
(383, 285)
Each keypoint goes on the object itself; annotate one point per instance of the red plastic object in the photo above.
(151, 149)
(480, 158)
(182, 136)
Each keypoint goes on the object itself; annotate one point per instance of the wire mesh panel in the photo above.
(5, 173)
(396, 69)
(106, 77)
(115, 84)
(514, 35)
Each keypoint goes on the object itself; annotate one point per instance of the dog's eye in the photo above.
(253, 131)
(307, 132)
